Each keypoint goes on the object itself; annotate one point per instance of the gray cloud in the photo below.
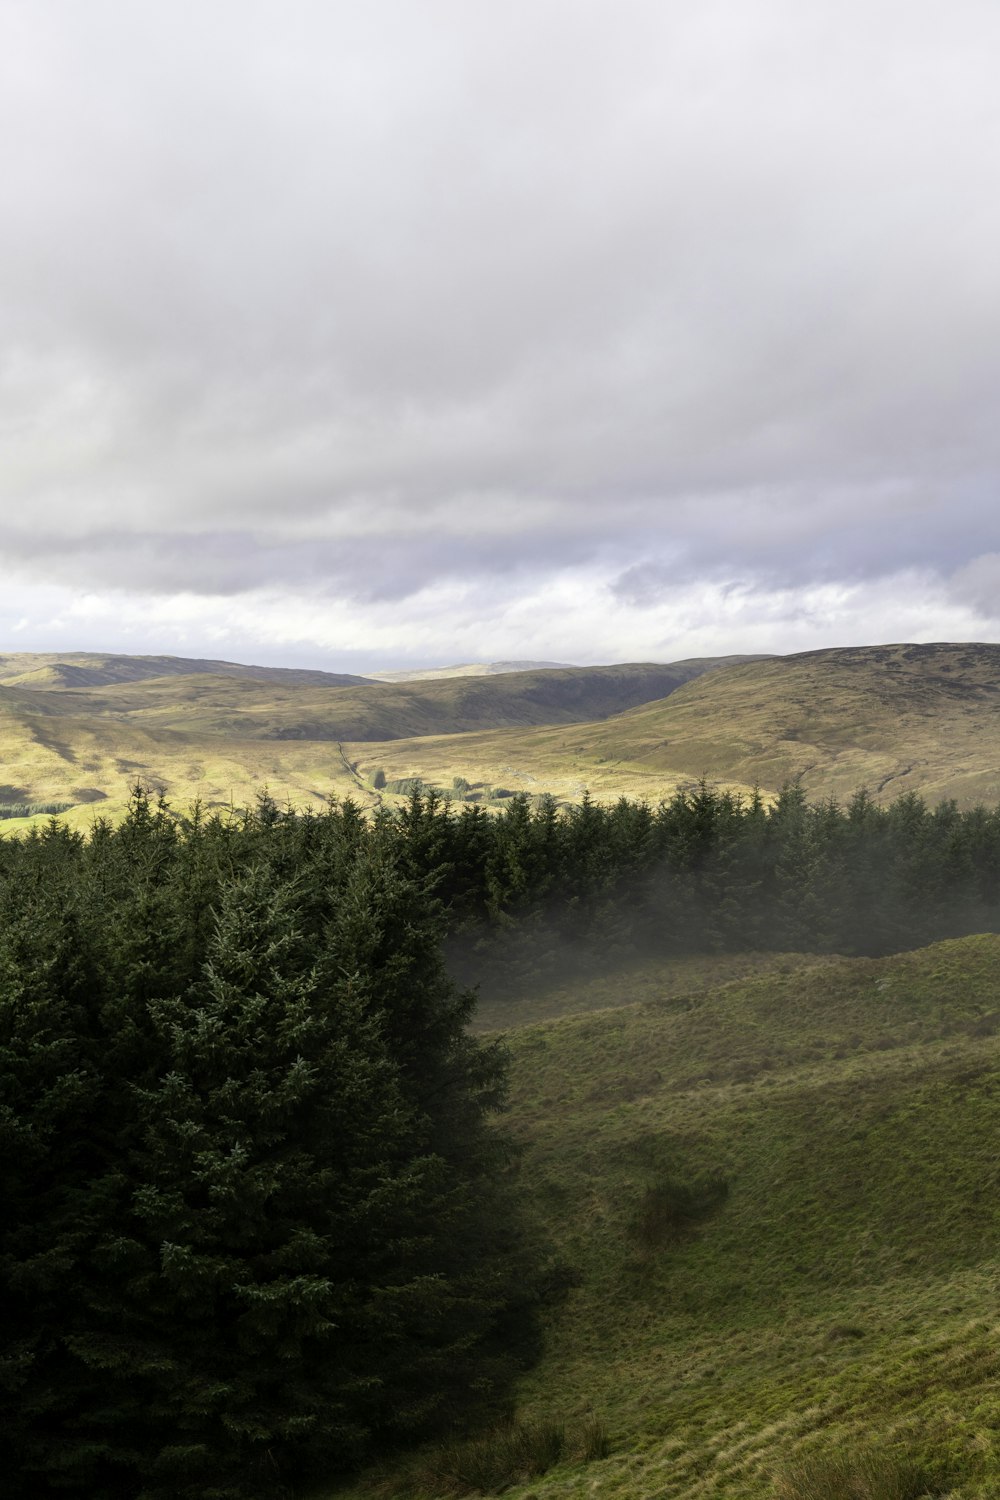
(368, 299)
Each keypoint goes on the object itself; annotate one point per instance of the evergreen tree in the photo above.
(261, 1220)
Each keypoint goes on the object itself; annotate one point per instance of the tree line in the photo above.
(534, 887)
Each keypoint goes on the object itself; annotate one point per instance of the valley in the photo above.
(81, 730)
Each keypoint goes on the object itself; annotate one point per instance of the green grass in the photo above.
(825, 1326)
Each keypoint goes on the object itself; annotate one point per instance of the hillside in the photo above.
(75, 730)
(261, 708)
(898, 718)
(780, 1200)
(86, 669)
(222, 736)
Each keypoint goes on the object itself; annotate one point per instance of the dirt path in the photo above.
(362, 786)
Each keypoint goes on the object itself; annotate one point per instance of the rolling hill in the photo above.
(76, 730)
(778, 1199)
(85, 669)
(467, 669)
(921, 718)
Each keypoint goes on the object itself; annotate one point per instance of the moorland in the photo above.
(79, 730)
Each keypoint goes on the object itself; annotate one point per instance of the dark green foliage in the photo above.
(536, 889)
(32, 809)
(671, 1208)
(257, 1220)
(405, 786)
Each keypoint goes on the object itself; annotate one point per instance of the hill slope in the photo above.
(920, 718)
(268, 709)
(781, 1198)
(84, 669)
(467, 669)
(75, 730)
(890, 718)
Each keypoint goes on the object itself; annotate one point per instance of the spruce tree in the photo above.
(261, 1224)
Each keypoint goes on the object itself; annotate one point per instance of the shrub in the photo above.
(509, 1453)
(669, 1209)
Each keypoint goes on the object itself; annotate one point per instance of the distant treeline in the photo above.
(33, 809)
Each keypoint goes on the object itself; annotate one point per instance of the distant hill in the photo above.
(894, 718)
(921, 718)
(287, 708)
(75, 729)
(467, 669)
(83, 669)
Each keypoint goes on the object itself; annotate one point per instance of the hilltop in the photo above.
(468, 669)
(778, 1196)
(87, 669)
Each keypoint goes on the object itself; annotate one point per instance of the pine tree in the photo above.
(262, 1222)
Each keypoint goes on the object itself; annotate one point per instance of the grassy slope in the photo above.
(846, 1290)
(212, 705)
(466, 669)
(891, 718)
(221, 737)
(84, 669)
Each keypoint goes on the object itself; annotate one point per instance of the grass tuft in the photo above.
(491, 1462)
(596, 1440)
(866, 1475)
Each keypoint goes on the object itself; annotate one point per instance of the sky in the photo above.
(404, 332)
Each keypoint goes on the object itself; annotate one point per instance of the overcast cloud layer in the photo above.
(423, 330)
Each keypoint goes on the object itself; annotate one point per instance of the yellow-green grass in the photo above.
(845, 1294)
(218, 704)
(94, 763)
(892, 719)
(221, 738)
